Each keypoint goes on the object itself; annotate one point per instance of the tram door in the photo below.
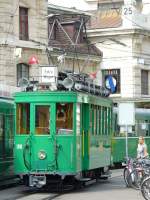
(42, 143)
(34, 144)
(85, 136)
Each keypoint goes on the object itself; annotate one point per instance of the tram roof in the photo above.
(140, 102)
(60, 96)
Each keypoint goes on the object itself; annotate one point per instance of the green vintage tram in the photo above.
(61, 135)
(6, 140)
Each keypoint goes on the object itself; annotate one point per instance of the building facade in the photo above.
(124, 42)
(121, 30)
(25, 36)
(23, 24)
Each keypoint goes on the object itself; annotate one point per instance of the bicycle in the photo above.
(127, 170)
(145, 184)
(135, 172)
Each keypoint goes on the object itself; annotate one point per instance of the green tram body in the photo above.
(119, 139)
(6, 140)
(75, 142)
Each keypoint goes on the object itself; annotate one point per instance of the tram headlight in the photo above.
(42, 155)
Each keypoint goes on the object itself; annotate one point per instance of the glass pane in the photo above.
(98, 108)
(64, 118)
(22, 71)
(42, 120)
(95, 119)
(78, 119)
(1, 135)
(23, 118)
(23, 19)
(90, 119)
(9, 135)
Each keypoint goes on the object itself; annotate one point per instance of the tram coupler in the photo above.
(37, 181)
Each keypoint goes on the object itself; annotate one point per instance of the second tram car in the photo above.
(142, 127)
(61, 135)
(6, 140)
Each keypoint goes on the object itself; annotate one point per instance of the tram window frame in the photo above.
(9, 127)
(104, 120)
(100, 120)
(42, 118)
(110, 121)
(68, 118)
(91, 119)
(107, 121)
(22, 119)
(116, 127)
(95, 119)
(78, 118)
(2, 135)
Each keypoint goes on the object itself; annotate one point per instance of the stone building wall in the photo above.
(9, 37)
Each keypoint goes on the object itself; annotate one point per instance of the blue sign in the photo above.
(111, 83)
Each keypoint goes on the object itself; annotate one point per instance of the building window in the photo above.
(144, 82)
(114, 80)
(22, 71)
(23, 22)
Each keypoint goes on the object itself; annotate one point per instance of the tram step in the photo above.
(106, 175)
(85, 179)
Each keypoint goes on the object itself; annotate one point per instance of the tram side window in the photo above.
(9, 134)
(98, 107)
(95, 119)
(91, 119)
(23, 118)
(142, 128)
(1, 134)
(64, 118)
(42, 119)
(109, 121)
(78, 116)
(106, 120)
(100, 125)
(102, 121)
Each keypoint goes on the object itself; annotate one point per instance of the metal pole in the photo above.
(127, 141)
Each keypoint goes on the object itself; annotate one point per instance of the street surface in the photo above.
(112, 189)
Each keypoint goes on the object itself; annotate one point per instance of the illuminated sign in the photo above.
(49, 74)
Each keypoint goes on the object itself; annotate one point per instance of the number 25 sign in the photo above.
(127, 10)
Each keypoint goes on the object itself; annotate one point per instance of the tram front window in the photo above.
(64, 118)
(42, 119)
(23, 118)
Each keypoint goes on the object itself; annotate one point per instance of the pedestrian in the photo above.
(142, 148)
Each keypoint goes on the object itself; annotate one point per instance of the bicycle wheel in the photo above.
(145, 188)
(125, 175)
(134, 179)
